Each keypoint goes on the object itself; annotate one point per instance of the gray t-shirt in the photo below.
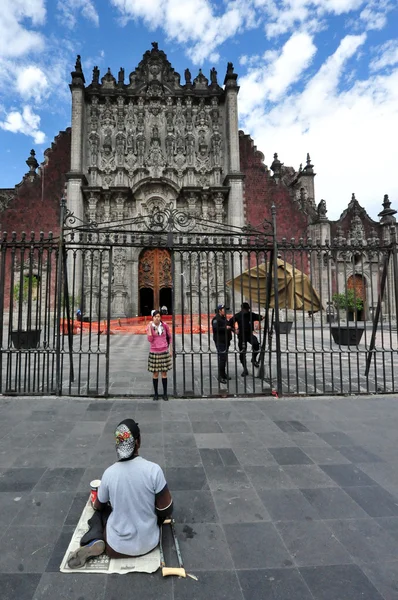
(130, 486)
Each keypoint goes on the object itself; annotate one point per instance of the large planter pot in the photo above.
(346, 335)
(25, 339)
(285, 327)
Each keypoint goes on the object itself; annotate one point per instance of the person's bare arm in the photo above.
(99, 505)
(163, 504)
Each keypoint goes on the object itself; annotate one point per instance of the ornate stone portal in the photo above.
(141, 145)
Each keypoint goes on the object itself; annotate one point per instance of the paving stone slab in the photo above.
(273, 584)
(242, 507)
(269, 478)
(186, 478)
(364, 539)
(221, 585)
(290, 456)
(347, 475)
(72, 586)
(374, 500)
(339, 582)
(18, 586)
(28, 549)
(287, 505)
(204, 546)
(20, 480)
(333, 503)
(311, 543)
(256, 545)
(384, 577)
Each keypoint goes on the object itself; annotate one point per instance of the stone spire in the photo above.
(309, 168)
(387, 214)
(32, 164)
(276, 166)
(230, 77)
(77, 75)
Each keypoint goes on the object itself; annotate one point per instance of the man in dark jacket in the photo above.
(245, 320)
(222, 336)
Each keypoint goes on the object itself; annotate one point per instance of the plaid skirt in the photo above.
(159, 362)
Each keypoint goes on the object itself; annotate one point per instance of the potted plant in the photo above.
(349, 302)
(24, 339)
(346, 334)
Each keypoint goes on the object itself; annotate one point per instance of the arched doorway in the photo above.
(154, 280)
(358, 283)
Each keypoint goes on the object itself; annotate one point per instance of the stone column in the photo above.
(75, 177)
(234, 177)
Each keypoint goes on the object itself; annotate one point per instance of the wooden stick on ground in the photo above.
(166, 571)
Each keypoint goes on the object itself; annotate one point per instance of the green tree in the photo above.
(348, 301)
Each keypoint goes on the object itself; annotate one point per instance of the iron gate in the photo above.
(70, 319)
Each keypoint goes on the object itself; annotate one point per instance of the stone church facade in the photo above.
(150, 140)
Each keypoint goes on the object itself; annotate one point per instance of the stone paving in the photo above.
(274, 499)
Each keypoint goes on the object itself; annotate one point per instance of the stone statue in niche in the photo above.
(108, 138)
(120, 76)
(169, 121)
(216, 149)
(202, 117)
(130, 140)
(215, 113)
(107, 158)
(169, 149)
(94, 145)
(120, 150)
(155, 155)
(108, 118)
(94, 114)
(190, 150)
(140, 115)
(140, 149)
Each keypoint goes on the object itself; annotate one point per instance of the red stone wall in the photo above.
(260, 192)
(36, 204)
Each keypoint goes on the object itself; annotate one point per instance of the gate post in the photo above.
(395, 268)
(58, 378)
(276, 305)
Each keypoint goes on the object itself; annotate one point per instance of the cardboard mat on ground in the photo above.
(103, 564)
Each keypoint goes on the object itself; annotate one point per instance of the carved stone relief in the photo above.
(133, 139)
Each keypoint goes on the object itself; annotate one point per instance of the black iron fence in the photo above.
(321, 317)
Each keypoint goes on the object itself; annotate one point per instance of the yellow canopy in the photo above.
(295, 290)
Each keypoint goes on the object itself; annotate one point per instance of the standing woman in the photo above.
(159, 360)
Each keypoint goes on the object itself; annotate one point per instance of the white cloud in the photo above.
(277, 73)
(70, 9)
(31, 82)
(194, 21)
(26, 122)
(15, 38)
(202, 26)
(346, 129)
(387, 56)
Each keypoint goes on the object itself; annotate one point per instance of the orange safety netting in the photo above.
(197, 323)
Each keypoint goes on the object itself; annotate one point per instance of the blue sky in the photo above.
(318, 76)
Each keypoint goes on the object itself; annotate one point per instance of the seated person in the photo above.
(133, 500)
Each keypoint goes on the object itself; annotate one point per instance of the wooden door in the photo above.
(357, 283)
(154, 272)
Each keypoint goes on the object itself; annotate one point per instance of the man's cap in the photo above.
(246, 305)
(220, 306)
